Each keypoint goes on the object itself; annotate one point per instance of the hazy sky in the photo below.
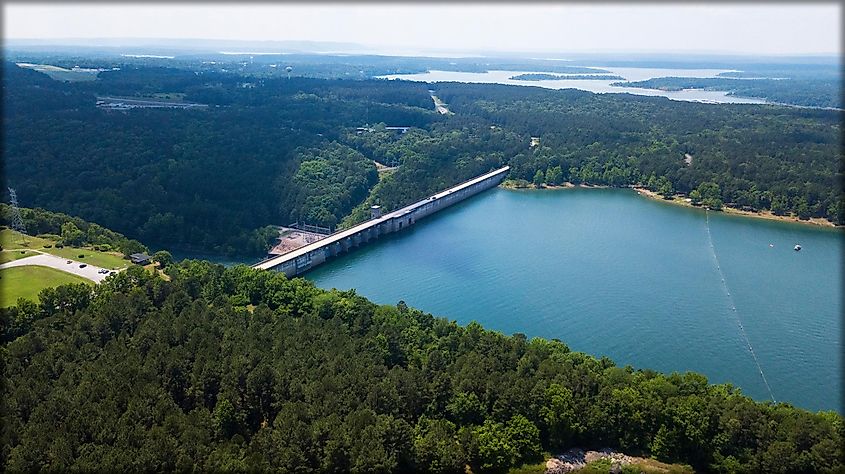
(744, 28)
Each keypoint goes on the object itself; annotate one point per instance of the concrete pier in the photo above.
(305, 258)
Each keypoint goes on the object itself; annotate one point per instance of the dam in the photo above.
(305, 258)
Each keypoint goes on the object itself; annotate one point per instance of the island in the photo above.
(561, 77)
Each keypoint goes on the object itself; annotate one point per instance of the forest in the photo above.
(239, 369)
(274, 150)
(210, 180)
(788, 160)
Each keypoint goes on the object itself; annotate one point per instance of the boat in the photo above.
(797, 247)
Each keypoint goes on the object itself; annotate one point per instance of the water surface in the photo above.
(597, 86)
(613, 274)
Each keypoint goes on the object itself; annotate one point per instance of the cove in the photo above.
(642, 282)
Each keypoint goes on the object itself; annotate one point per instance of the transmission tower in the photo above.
(17, 220)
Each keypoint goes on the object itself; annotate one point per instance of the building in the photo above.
(140, 259)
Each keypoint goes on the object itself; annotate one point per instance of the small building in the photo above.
(535, 141)
(140, 259)
(375, 211)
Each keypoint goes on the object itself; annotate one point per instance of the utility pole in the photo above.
(17, 220)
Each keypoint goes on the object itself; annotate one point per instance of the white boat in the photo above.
(797, 248)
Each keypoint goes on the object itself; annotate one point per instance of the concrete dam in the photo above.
(305, 258)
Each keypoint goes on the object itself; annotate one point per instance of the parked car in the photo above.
(83, 265)
(69, 262)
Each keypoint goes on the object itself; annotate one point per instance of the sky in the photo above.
(754, 28)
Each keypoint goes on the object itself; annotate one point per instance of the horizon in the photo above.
(356, 49)
(736, 30)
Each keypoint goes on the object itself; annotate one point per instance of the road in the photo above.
(439, 105)
(90, 272)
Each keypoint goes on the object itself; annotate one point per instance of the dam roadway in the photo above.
(305, 258)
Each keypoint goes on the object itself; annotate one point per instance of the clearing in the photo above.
(13, 243)
(26, 282)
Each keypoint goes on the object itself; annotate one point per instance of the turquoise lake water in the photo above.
(614, 274)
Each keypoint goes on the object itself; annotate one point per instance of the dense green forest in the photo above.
(206, 179)
(273, 150)
(766, 157)
(329, 182)
(244, 369)
(809, 92)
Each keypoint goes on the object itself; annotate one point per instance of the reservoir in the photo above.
(642, 282)
(594, 85)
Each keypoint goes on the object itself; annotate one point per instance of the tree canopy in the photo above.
(234, 368)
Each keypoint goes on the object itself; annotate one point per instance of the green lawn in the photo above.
(111, 260)
(7, 256)
(26, 282)
(93, 257)
(538, 468)
(10, 239)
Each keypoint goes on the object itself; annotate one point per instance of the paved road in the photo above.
(52, 261)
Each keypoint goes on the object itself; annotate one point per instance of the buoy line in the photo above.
(733, 308)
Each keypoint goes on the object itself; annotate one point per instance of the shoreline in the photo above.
(514, 185)
(764, 214)
(677, 200)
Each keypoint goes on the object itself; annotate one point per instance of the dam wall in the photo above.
(305, 258)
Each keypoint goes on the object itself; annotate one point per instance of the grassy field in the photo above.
(26, 282)
(10, 239)
(7, 256)
(538, 468)
(100, 259)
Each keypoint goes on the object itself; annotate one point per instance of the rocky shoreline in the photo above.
(576, 458)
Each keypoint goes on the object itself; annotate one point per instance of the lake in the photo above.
(597, 86)
(610, 273)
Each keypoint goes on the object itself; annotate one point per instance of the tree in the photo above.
(664, 187)
(524, 438)
(131, 246)
(436, 447)
(711, 195)
(802, 208)
(71, 235)
(554, 176)
(558, 415)
(466, 408)
(163, 258)
(651, 184)
(538, 178)
(779, 205)
(495, 451)
(225, 418)
(695, 195)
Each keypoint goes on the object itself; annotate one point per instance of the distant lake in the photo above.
(614, 274)
(597, 86)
